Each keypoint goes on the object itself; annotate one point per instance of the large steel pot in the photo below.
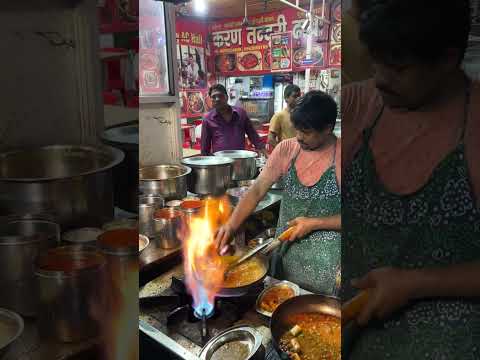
(211, 175)
(169, 181)
(244, 165)
(20, 242)
(72, 183)
(125, 181)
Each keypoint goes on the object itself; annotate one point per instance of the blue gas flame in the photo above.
(201, 305)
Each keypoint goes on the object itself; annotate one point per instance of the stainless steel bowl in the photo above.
(239, 342)
(244, 165)
(143, 242)
(73, 183)
(20, 242)
(168, 181)
(11, 327)
(211, 175)
(294, 287)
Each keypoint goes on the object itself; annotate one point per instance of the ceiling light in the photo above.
(200, 6)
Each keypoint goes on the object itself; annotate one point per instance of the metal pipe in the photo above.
(322, 19)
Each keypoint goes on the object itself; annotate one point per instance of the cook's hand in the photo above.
(389, 290)
(223, 238)
(303, 226)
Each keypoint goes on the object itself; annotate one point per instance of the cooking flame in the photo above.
(203, 266)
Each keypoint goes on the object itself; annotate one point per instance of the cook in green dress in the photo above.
(311, 258)
(416, 251)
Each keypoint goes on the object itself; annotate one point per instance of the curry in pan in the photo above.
(314, 336)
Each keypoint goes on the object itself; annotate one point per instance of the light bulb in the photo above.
(200, 6)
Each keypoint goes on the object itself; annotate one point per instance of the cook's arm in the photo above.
(249, 202)
(392, 288)
(327, 223)
(242, 211)
(462, 280)
(306, 225)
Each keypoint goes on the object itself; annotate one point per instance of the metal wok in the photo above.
(251, 287)
(279, 323)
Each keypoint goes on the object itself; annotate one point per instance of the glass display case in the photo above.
(156, 44)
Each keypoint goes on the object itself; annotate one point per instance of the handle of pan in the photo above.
(352, 308)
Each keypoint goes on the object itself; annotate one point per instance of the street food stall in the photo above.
(191, 307)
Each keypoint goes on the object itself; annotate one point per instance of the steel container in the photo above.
(20, 242)
(244, 165)
(146, 207)
(168, 181)
(72, 183)
(71, 287)
(211, 175)
(168, 225)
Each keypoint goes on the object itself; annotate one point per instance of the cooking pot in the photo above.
(280, 324)
(244, 164)
(20, 242)
(168, 181)
(125, 181)
(211, 175)
(72, 183)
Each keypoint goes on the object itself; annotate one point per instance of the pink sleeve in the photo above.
(279, 161)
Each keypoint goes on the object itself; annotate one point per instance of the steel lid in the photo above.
(200, 161)
(237, 154)
(126, 134)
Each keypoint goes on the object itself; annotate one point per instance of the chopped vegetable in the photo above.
(296, 330)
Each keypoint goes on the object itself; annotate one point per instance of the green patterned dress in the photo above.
(438, 225)
(311, 262)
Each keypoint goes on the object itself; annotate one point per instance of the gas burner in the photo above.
(197, 328)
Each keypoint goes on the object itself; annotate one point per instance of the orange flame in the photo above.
(203, 266)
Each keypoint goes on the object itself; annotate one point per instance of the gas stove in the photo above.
(169, 319)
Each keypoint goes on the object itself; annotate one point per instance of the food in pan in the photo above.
(195, 102)
(249, 61)
(275, 296)
(312, 336)
(244, 274)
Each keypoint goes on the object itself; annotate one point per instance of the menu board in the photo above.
(192, 67)
(281, 51)
(239, 50)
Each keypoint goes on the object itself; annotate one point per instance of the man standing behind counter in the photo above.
(281, 127)
(224, 127)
